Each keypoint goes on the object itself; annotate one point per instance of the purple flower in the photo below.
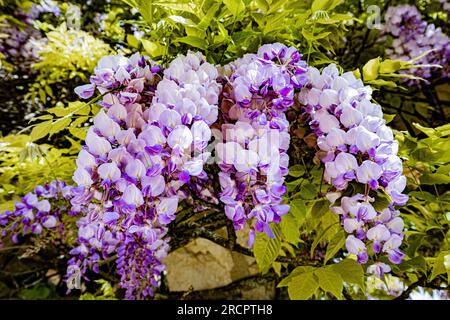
(85, 91)
(166, 209)
(357, 247)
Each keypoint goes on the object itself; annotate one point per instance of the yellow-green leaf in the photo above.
(60, 125)
(266, 249)
(370, 69)
(330, 281)
(154, 49)
(303, 286)
(350, 271)
(195, 42)
(336, 243)
(234, 6)
(40, 130)
(441, 264)
(390, 66)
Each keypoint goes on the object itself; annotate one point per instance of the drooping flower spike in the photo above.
(357, 147)
(258, 89)
(146, 144)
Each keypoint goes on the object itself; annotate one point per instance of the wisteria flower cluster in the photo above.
(148, 147)
(18, 44)
(38, 211)
(412, 38)
(147, 142)
(357, 148)
(253, 160)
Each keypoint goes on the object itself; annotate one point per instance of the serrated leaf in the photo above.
(266, 249)
(303, 286)
(330, 281)
(40, 130)
(350, 271)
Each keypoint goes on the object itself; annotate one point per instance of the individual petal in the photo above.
(85, 91)
(133, 196)
(109, 171)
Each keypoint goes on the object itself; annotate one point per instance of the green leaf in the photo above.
(382, 83)
(308, 191)
(319, 237)
(59, 111)
(234, 6)
(390, 66)
(320, 208)
(336, 243)
(350, 271)
(428, 131)
(145, 7)
(444, 169)
(381, 202)
(79, 133)
(422, 195)
(290, 228)
(434, 178)
(154, 49)
(370, 69)
(330, 281)
(44, 117)
(303, 286)
(132, 41)
(297, 171)
(40, 130)
(319, 5)
(388, 117)
(266, 250)
(298, 210)
(297, 271)
(441, 265)
(60, 125)
(193, 41)
(42, 95)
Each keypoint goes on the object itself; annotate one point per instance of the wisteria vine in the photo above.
(147, 149)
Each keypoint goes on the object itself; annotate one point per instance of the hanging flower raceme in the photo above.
(252, 157)
(38, 212)
(412, 38)
(146, 144)
(357, 149)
